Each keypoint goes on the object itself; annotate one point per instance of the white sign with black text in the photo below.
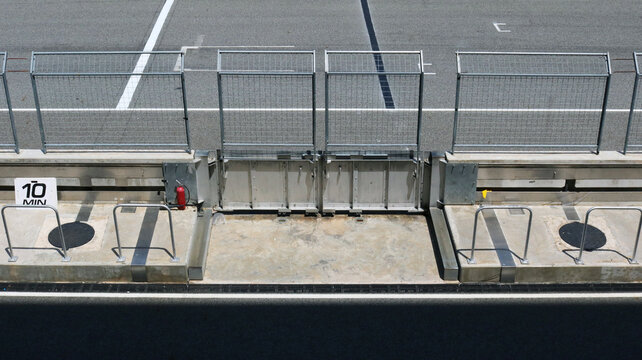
(36, 191)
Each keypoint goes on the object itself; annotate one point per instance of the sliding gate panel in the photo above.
(111, 100)
(267, 121)
(8, 136)
(372, 131)
(530, 101)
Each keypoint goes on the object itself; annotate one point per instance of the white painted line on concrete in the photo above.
(497, 27)
(318, 109)
(132, 84)
(224, 296)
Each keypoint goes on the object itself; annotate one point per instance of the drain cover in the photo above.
(76, 234)
(572, 235)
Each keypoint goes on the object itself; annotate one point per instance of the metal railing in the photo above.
(267, 101)
(12, 256)
(121, 258)
(111, 100)
(632, 259)
(524, 259)
(7, 140)
(633, 139)
(526, 101)
(373, 101)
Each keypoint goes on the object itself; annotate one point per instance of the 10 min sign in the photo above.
(36, 191)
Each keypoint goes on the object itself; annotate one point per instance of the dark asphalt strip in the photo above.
(374, 44)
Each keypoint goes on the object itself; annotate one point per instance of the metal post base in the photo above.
(523, 262)
(633, 261)
(13, 258)
(121, 259)
(578, 261)
(176, 259)
(66, 259)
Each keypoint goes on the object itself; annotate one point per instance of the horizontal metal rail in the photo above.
(109, 73)
(12, 257)
(121, 258)
(632, 259)
(524, 259)
(568, 75)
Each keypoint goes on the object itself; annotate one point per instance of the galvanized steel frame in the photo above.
(121, 258)
(329, 73)
(3, 75)
(460, 74)
(220, 72)
(524, 258)
(181, 73)
(632, 259)
(12, 257)
(638, 74)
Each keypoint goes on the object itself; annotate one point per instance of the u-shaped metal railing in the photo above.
(121, 258)
(632, 259)
(12, 256)
(524, 259)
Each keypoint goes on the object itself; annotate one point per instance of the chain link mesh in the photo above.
(372, 101)
(530, 102)
(6, 135)
(634, 135)
(108, 100)
(267, 101)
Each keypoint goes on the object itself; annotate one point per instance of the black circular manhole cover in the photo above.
(572, 235)
(76, 234)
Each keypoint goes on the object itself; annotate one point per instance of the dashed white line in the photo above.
(132, 84)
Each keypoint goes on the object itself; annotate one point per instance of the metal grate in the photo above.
(111, 100)
(373, 101)
(633, 140)
(8, 137)
(267, 101)
(530, 101)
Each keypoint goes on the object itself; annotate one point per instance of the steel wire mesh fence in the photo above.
(267, 102)
(111, 100)
(530, 101)
(8, 138)
(633, 140)
(373, 101)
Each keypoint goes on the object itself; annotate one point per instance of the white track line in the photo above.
(318, 109)
(223, 296)
(132, 84)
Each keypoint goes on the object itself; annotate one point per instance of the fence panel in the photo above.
(530, 101)
(111, 100)
(267, 102)
(373, 101)
(8, 137)
(633, 140)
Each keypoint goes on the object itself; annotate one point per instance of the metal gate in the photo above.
(373, 108)
(266, 102)
(633, 140)
(373, 101)
(8, 137)
(267, 122)
(518, 101)
(111, 100)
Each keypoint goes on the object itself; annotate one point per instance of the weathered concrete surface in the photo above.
(264, 249)
(95, 261)
(550, 258)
